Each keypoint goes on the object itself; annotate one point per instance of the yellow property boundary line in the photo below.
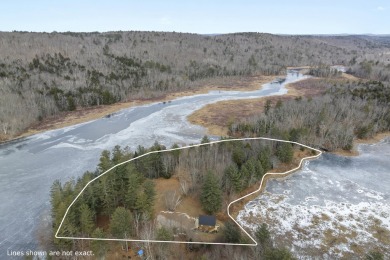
(228, 207)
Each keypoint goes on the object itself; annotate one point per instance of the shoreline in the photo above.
(258, 189)
(371, 140)
(217, 123)
(210, 116)
(272, 174)
(255, 190)
(84, 115)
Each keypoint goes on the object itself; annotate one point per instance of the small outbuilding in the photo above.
(205, 220)
(207, 224)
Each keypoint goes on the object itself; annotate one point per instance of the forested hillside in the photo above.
(332, 121)
(44, 74)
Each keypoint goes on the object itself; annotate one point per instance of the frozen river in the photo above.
(28, 167)
(331, 207)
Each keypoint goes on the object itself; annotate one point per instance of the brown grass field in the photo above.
(216, 117)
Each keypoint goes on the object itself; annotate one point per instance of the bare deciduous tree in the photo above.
(172, 200)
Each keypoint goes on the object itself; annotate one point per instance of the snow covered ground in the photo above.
(335, 206)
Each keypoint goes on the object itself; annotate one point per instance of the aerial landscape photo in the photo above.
(195, 130)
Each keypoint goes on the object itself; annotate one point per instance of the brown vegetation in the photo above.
(218, 116)
(46, 74)
(283, 167)
(85, 114)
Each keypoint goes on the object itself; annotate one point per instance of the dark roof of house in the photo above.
(207, 220)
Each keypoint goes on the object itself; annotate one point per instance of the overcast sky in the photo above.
(200, 16)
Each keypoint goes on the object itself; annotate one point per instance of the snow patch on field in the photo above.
(334, 207)
(334, 226)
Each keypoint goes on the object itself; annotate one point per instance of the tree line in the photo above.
(347, 111)
(45, 74)
(125, 197)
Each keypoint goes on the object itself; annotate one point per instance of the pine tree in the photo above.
(238, 155)
(86, 220)
(285, 152)
(120, 224)
(164, 234)
(99, 247)
(205, 140)
(234, 178)
(56, 197)
(134, 182)
(245, 176)
(117, 154)
(264, 157)
(105, 161)
(141, 204)
(150, 194)
(176, 153)
(108, 201)
(248, 171)
(259, 170)
(211, 196)
(262, 234)
(278, 254)
(231, 232)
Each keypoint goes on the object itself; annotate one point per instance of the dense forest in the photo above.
(330, 121)
(44, 74)
(214, 174)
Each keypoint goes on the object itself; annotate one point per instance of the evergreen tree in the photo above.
(108, 203)
(152, 165)
(285, 152)
(278, 254)
(205, 140)
(99, 247)
(231, 232)
(60, 212)
(121, 223)
(86, 220)
(105, 161)
(120, 182)
(248, 172)
(176, 153)
(164, 234)
(262, 234)
(68, 229)
(259, 171)
(150, 194)
(134, 182)
(117, 155)
(211, 195)
(141, 204)
(234, 178)
(245, 173)
(56, 197)
(238, 155)
(265, 158)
